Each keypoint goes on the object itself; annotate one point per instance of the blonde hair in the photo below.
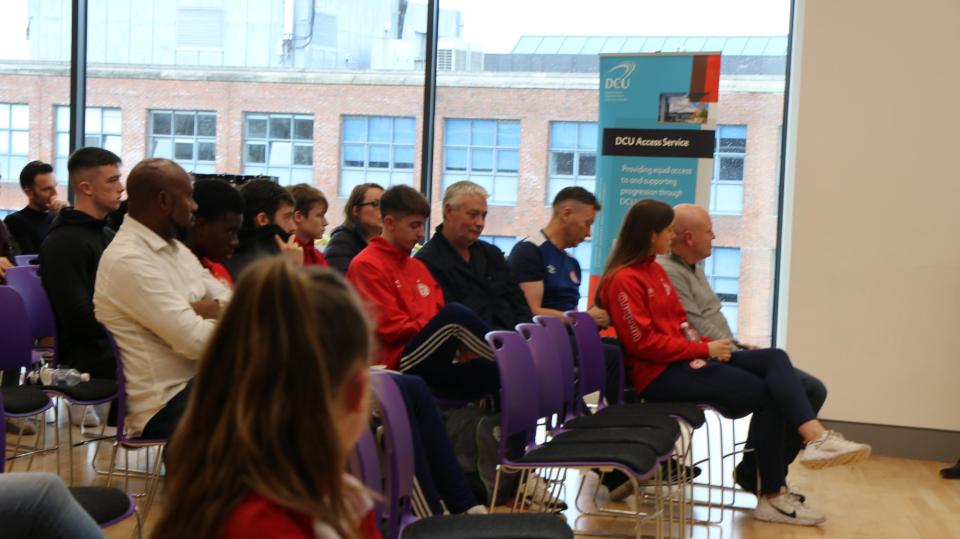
(261, 412)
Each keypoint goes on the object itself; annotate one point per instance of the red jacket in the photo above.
(400, 293)
(311, 255)
(647, 314)
(259, 518)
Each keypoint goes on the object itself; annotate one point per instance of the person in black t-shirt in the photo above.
(29, 226)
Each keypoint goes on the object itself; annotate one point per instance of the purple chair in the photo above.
(15, 353)
(364, 464)
(27, 260)
(152, 478)
(398, 455)
(107, 506)
(26, 281)
(519, 412)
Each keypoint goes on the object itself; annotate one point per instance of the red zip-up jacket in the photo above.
(645, 310)
(400, 293)
(311, 255)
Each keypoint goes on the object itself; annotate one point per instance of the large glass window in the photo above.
(573, 156)
(102, 128)
(726, 190)
(377, 149)
(723, 272)
(279, 145)
(486, 152)
(188, 137)
(504, 243)
(14, 140)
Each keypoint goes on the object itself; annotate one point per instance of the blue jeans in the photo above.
(435, 463)
(37, 505)
(430, 354)
(761, 382)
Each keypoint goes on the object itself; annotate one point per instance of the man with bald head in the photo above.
(693, 243)
(156, 299)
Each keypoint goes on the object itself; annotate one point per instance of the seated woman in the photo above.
(665, 366)
(280, 399)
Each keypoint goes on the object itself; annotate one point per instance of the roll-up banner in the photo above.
(656, 130)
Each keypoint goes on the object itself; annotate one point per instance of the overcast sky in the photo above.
(495, 25)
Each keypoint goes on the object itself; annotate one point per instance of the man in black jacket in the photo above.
(471, 271)
(30, 225)
(268, 226)
(69, 257)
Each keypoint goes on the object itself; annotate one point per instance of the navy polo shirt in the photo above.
(559, 272)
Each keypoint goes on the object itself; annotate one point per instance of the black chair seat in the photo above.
(104, 504)
(659, 441)
(625, 417)
(510, 525)
(689, 412)
(640, 459)
(19, 400)
(97, 389)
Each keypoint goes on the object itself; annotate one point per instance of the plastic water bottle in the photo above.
(62, 377)
(690, 333)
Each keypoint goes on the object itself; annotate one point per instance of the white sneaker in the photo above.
(832, 449)
(85, 415)
(787, 509)
(539, 495)
(478, 510)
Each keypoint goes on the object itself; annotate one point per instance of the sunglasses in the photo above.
(374, 203)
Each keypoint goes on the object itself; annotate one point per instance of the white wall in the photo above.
(872, 296)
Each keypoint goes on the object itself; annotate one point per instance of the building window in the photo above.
(377, 149)
(14, 140)
(582, 253)
(723, 272)
(726, 190)
(279, 145)
(486, 152)
(102, 127)
(186, 136)
(504, 243)
(199, 28)
(573, 156)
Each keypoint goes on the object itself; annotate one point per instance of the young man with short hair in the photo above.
(268, 226)
(30, 225)
(418, 332)
(216, 223)
(310, 216)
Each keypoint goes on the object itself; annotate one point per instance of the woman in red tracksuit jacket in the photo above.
(665, 366)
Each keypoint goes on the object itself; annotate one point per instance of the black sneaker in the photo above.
(952, 472)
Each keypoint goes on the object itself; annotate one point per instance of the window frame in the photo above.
(483, 177)
(395, 175)
(716, 183)
(11, 173)
(194, 164)
(588, 182)
(292, 173)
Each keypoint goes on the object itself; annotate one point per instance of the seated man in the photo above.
(692, 244)
(216, 223)
(156, 299)
(69, 258)
(268, 226)
(310, 216)
(471, 271)
(30, 225)
(550, 278)
(418, 334)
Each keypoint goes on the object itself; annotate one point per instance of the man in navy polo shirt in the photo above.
(550, 278)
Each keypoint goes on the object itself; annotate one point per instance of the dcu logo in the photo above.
(618, 76)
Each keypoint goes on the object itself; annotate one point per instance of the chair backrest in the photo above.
(593, 370)
(398, 451)
(26, 281)
(121, 386)
(365, 466)
(544, 353)
(557, 333)
(27, 260)
(15, 339)
(3, 439)
(519, 387)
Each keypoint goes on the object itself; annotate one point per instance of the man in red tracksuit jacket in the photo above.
(418, 334)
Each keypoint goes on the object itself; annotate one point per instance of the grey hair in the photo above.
(458, 190)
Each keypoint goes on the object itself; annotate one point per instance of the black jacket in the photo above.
(29, 227)
(254, 243)
(484, 284)
(68, 270)
(345, 243)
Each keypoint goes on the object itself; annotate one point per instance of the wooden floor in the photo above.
(882, 497)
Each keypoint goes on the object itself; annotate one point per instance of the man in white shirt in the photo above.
(156, 299)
